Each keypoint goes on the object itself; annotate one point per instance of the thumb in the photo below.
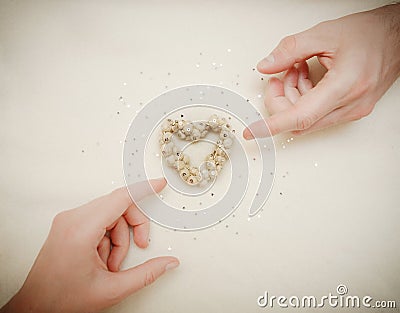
(293, 49)
(138, 277)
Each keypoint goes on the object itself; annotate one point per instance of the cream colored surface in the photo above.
(332, 217)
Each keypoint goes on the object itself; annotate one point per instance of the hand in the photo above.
(76, 271)
(361, 55)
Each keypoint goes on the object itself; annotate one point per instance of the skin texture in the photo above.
(361, 55)
(76, 271)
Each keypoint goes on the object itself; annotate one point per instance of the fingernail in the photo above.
(267, 60)
(172, 265)
(247, 134)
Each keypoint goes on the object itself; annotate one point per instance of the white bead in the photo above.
(200, 126)
(213, 121)
(210, 165)
(171, 160)
(181, 135)
(196, 135)
(213, 174)
(221, 121)
(205, 175)
(220, 159)
(194, 171)
(224, 135)
(167, 149)
(228, 143)
(187, 129)
(166, 125)
(167, 137)
(179, 165)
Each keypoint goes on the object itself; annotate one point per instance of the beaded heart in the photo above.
(193, 131)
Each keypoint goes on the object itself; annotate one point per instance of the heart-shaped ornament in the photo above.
(194, 131)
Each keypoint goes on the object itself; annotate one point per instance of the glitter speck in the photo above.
(157, 155)
(124, 84)
(315, 164)
(197, 65)
(258, 96)
(248, 219)
(112, 182)
(169, 248)
(213, 63)
(229, 50)
(283, 147)
(291, 139)
(258, 215)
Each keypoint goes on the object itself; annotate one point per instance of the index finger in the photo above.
(105, 210)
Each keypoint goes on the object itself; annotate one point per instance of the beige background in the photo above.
(64, 65)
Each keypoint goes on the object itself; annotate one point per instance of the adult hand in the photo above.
(76, 269)
(361, 55)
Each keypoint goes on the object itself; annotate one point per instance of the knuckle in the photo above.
(288, 44)
(304, 121)
(60, 219)
(362, 112)
(149, 278)
(121, 193)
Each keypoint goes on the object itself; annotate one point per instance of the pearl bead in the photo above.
(181, 134)
(205, 175)
(200, 126)
(166, 125)
(224, 134)
(167, 149)
(228, 143)
(196, 134)
(171, 160)
(179, 165)
(194, 171)
(167, 137)
(220, 159)
(187, 129)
